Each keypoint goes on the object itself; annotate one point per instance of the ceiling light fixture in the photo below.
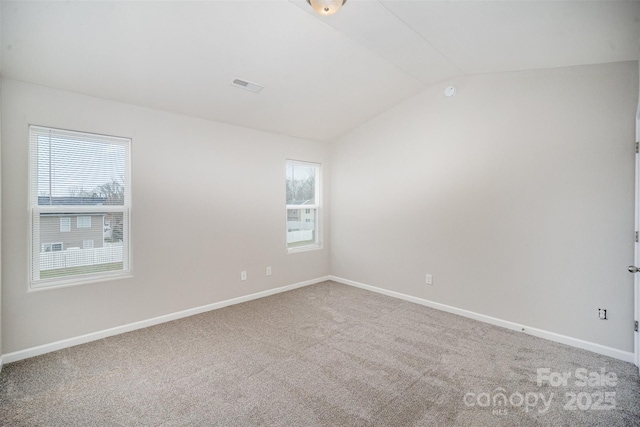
(326, 7)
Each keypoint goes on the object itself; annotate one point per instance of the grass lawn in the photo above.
(85, 269)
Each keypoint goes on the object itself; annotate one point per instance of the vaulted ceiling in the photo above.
(322, 76)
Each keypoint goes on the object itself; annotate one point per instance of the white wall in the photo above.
(516, 194)
(208, 202)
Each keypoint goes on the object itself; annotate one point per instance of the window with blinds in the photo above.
(80, 197)
(303, 205)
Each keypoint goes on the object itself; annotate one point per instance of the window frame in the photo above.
(83, 225)
(317, 207)
(36, 283)
(67, 226)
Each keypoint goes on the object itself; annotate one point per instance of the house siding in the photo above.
(74, 238)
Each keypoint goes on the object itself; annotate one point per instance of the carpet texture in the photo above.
(323, 355)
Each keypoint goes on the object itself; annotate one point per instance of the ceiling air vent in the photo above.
(251, 87)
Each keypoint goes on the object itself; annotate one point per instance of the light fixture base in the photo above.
(326, 7)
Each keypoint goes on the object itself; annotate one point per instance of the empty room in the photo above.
(319, 213)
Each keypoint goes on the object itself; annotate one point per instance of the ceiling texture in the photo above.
(322, 76)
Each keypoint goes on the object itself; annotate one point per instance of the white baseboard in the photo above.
(552, 336)
(59, 345)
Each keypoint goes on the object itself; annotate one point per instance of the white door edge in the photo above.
(636, 257)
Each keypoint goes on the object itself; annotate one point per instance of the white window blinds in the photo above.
(81, 180)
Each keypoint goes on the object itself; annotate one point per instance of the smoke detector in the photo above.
(450, 91)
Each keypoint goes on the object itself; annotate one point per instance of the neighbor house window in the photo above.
(303, 205)
(84, 222)
(51, 247)
(73, 177)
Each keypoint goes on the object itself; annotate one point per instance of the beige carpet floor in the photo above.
(323, 355)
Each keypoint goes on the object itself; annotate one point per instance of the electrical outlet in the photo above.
(602, 314)
(268, 271)
(429, 279)
(243, 275)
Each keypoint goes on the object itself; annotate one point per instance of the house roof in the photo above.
(70, 201)
(74, 214)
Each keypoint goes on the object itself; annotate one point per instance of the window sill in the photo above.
(77, 281)
(304, 248)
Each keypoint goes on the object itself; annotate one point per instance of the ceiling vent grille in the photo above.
(243, 84)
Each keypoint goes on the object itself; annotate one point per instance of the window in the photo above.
(51, 247)
(303, 205)
(74, 174)
(84, 222)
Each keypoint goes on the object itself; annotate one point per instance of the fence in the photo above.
(77, 257)
(299, 236)
(300, 231)
(300, 225)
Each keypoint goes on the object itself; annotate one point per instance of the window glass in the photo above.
(84, 222)
(301, 184)
(303, 206)
(80, 206)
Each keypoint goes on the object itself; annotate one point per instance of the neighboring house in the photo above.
(301, 224)
(307, 215)
(60, 232)
(301, 219)
(293, 215)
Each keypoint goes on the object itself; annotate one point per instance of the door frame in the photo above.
(636, 255)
